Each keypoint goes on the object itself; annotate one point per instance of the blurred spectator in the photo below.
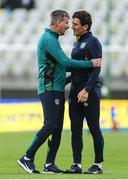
(113, 118)
(13, 4)
(28, 4)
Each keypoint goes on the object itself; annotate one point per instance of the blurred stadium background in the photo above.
(22, 23)
(20, 29)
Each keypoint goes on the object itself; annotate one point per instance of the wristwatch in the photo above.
(86, 89)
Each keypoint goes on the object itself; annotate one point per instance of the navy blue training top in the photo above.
(86, 47)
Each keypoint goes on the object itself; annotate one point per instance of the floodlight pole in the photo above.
(107, 43)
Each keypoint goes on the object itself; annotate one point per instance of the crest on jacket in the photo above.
(82, 46)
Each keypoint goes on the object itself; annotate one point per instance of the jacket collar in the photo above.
(87, 34)
(52, 32)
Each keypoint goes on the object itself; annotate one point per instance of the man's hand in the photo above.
(82, 96)
(97, 62)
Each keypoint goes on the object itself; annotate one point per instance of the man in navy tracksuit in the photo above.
(85, 93)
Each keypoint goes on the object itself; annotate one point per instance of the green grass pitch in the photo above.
(13, 146)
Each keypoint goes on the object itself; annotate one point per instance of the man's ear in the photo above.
(58, 21)
(85, 27)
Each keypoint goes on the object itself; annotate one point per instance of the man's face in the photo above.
(63, 25)
(78, 30)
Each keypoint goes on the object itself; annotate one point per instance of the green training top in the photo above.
(52, 63)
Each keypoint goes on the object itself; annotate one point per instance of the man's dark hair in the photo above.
(84, 17)
(58, 14)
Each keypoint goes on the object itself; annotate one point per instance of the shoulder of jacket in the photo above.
(93, 39)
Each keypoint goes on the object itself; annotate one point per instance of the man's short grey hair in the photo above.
(58, 14)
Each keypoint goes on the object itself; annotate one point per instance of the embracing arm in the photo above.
(54, 49)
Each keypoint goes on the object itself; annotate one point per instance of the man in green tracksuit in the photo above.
(52, 63)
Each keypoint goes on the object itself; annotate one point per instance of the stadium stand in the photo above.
(21, 21)
(20, 30)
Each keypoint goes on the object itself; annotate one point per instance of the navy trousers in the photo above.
(77, 112)
(53, 109)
